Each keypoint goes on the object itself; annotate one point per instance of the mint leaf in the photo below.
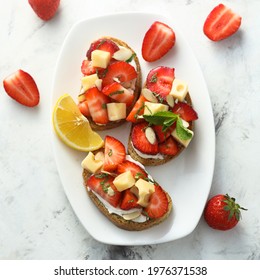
(164, 118)
(182, 132)
(131, 58)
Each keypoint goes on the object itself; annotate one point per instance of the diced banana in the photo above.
(150, 135)
(122, 54)
(179, 89)
(116, 111)
(100, 58)
(152, 108)
(149, 95)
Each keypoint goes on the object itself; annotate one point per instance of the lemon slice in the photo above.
(72, 127)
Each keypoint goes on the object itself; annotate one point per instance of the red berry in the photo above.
(137, 110)
(158, 203)
(115, 153)
(158, 40)
(169, 147)
(136, 170)
(221, 23)
(45, 9)
(159, 80)
(129, 200)
(222, 212)
(140, 142)
(22, 88)
(185, 111)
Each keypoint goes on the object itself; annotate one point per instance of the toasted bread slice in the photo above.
(118, 220)
(152, 161)
(138, 83)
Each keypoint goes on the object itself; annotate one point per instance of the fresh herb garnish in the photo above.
(110, 153)
(153, 78)
(131, 58)
(116, 92)
(167, 119)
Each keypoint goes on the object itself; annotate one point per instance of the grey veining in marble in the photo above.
(36, 219)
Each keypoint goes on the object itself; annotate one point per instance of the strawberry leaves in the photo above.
(167, 119)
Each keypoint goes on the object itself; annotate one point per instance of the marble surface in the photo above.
(36, 219)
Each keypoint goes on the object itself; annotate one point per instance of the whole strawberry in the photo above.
(45, 9)
(222, 212)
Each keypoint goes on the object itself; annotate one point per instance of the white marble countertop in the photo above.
(36, 219)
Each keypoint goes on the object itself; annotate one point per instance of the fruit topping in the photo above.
(45, 9)
(159, 81)
(185, 111)
(169, 147)
(136, 170)
(158, 40)
(129, 200)
(97, 104)
(120, 72)
(102, 184)
(115, 153)
(140, 141)
(103, 44)
(158, 203)
(137, 110)
(117, 92)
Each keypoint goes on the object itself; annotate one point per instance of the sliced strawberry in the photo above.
(158, 204)
(140, 141)
(114, 153)
(129, 200)
(158, 40)
(185, 111)
(163, 135)
(136, 170)
(117, 92)
(137, 110)
(83, 107)
(45, 9)
(120, 71)
(87, 68)
(159, 80)
(102, 184)
(104, 45)
(97, 105)
(169, 147)
(221, 23)
(22, 88)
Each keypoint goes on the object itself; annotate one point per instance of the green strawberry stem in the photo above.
(233, 207)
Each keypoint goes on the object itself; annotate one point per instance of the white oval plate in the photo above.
(187, 178)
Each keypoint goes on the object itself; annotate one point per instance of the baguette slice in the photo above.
(118, 220)
(152, 161)
(138, 83)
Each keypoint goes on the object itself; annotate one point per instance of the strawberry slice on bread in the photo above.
(125, 193)
(162, 119)
(112, 69)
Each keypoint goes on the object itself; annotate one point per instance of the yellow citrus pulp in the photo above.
(72, 127)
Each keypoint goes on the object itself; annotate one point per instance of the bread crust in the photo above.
(120, 221)
(157, 161)
(137, 90)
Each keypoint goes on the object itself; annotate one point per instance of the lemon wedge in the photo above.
(72, 127)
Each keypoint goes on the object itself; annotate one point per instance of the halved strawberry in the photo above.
(136, 170)
(97, 105)
(158, 40)
(163, 135)
(87, 68)
(129, 200)
(114, 153)
(169, 147)
(102, 184)
(158, 204)
(117, 92)
(22, 88)
(140, 142)
(137, 110)
(159, 80)
(119, 71)
(185, 111)
(103, 44)
(221, 23)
